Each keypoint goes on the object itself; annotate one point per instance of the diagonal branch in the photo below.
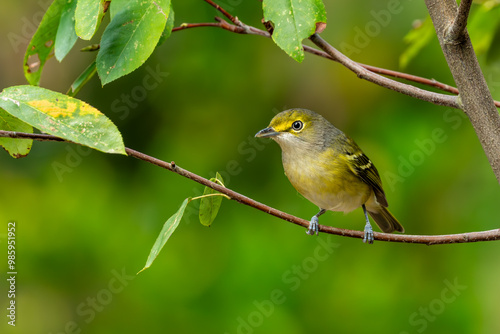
(395, 74)
(455, 32)
(436, 98)
(417, 239)
(361, 72)
(223, 11)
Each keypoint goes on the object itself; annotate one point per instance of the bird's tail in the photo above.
(386, 221)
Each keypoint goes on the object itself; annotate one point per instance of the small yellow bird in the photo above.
(329, 169)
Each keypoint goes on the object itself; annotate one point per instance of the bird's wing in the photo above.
(362, 166)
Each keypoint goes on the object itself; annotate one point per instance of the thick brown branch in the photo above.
(417, 239)
(455, 32)
(475, 96)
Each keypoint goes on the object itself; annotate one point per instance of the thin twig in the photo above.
(455, 32)
(417, 239)
(195, 25)
(223, 11)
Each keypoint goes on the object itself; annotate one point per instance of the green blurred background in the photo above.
(83, 233)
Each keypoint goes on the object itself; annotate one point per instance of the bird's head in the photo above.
(299, 128)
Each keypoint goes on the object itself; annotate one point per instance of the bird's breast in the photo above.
(326, 180)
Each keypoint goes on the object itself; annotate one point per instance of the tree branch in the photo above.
(455, 32)
(417, 239)
(254, 31)
(365, 72)
(476, 98)
(436, 98)
(223, 11)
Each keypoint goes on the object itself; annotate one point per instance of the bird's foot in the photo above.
(368, 237)
(313, 226)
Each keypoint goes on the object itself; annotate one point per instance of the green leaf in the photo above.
(168, 27)
(416, 39)
(88, 17)
(167, 230)
(17, 148)
(210, 205)
(86, 75)
(66, 36)
(63, 116)
(293, 21)
(131, 37)
(42, 42)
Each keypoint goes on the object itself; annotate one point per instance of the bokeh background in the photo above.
(86, 221)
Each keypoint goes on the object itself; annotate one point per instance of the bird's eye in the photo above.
(297, 125)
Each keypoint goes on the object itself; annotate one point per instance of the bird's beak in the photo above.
(267, 132)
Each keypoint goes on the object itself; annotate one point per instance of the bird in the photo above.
(329, 169)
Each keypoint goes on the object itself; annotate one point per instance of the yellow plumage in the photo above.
(326, 180)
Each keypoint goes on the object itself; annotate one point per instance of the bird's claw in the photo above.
(368, 237)
(313, 226)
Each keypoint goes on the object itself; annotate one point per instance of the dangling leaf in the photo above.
(66, 36)
(293, 21)
(167, 230)
(210, 203)
(42, 43)
(62, 116)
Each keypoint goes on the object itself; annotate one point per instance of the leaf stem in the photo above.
(208, 195)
